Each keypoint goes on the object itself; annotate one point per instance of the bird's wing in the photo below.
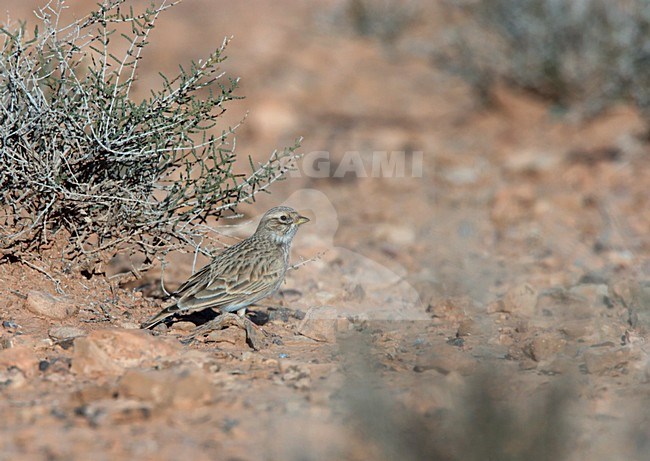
(232, 282)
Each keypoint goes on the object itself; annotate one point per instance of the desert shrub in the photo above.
(84, 162)
(587, 54)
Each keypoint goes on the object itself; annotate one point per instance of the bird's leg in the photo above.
(227, 319)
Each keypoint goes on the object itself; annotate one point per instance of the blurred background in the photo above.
(523, 127)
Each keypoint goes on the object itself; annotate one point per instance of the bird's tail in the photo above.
(162, 315)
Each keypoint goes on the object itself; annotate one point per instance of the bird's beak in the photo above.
(301, 220)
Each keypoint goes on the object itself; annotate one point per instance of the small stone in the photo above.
(46, 305)
(64, 333)
(10, 324)
(183, 326)
(607, 360)
(467, 327)
(545, 346)
(577, 329)
(634, 295)
(451, 309)
(495, 306)
(20, 357)
(521, 299)
(280, 314)
(110, 351)
(231, 335)
(128, 325)
(320, 324)
(185, 389)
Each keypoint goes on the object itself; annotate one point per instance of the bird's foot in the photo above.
(255, 336)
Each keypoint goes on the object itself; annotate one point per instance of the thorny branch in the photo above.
(83, 160)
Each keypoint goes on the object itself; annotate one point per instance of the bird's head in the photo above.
(281, 224)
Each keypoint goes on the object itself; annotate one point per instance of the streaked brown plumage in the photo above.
(243, 273)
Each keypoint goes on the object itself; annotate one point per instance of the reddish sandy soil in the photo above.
(517, 264)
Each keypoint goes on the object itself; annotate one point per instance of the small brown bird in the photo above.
(242, 274)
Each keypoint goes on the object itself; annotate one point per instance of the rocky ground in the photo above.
(498, 305)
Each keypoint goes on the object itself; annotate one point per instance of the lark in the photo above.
(242, 274)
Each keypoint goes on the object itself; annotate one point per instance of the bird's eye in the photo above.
(283, 218)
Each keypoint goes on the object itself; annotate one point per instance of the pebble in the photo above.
(46, 305)
(607, 360)
(64, 332)
(187, 388)
(110, 351)
(323, 324)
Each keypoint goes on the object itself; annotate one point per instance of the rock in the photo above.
(545, 346)
(127, 325)
(520, 300)
(468, 327)
(453, 309)
(635, 297)
(284, 314)
(185, 389)
(607, 360)
(64, 333)
(231, 335)
(46, 305)
(183, 326)
(323, 324)
(19, 357)
(110, 351)
(10, 325)
(577, 329)
(89, 358)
